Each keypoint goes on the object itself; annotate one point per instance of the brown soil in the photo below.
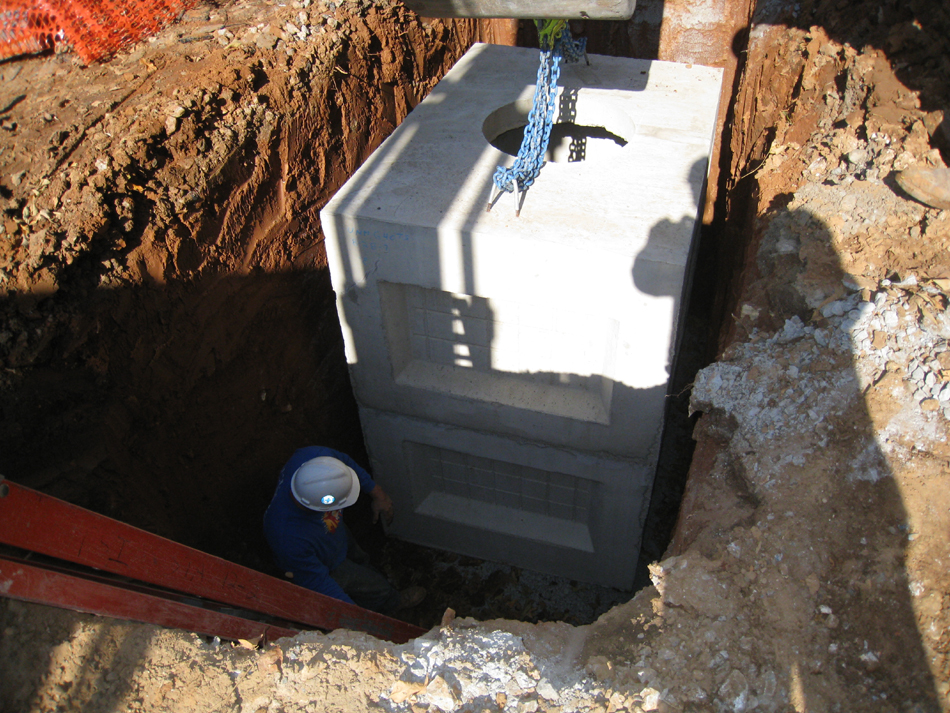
(168, 336)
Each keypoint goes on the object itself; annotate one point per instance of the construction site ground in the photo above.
(168, 337)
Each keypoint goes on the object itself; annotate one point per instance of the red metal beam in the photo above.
(69, 569)
(41, 586)
(41, 523)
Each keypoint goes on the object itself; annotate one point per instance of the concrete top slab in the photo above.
(557, 326)
(610, 202)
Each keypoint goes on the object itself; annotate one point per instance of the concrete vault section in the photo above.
(511, 371)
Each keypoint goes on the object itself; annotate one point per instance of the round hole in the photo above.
(569, 143)
(586, 128)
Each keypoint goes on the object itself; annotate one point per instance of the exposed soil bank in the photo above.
(809, 570)
(169, 334)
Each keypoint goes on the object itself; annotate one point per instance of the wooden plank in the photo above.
(28, 583)
(41, 523)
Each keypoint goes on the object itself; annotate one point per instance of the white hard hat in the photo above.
(324, 484)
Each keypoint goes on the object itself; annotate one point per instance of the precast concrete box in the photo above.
(512, 371)
(565, 512)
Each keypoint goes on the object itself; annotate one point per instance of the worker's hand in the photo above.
(382, 505)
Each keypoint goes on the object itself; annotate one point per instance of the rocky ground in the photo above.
(809, 567)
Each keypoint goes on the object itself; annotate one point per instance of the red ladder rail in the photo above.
(39, 585)
(77, 571)
(41, 523)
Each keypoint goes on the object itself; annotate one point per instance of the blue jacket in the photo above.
(308, 543)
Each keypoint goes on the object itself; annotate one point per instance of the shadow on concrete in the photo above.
(455, 347)
(688, 355)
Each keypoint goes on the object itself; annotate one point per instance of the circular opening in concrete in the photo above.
(585, 128)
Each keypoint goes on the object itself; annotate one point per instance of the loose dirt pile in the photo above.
(809, 570)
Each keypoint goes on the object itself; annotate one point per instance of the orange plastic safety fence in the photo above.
(96, 29)
(24, 28)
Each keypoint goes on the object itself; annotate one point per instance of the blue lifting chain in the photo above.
(556, 43)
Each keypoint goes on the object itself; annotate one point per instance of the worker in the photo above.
(305, 531)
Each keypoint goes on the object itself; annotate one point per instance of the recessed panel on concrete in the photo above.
(557, 327)
(487, 350)
(562, 512)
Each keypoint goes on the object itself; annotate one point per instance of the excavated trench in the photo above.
(169, 400)
(178, 366)
(173, 337)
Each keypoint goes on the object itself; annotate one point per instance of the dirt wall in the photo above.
(168, 329)
(809, 566)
